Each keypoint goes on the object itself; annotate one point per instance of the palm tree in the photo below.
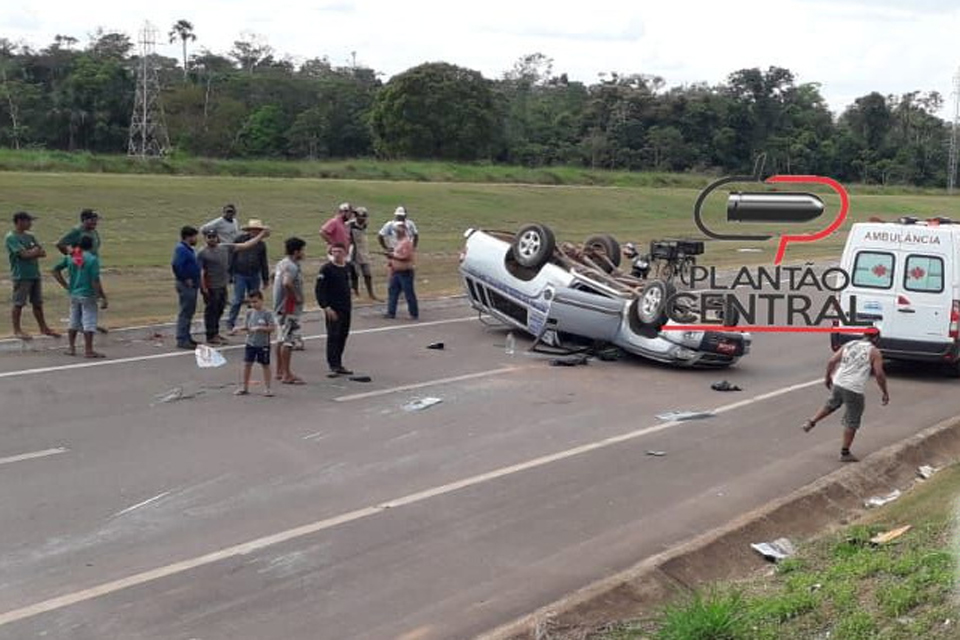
(182, 30)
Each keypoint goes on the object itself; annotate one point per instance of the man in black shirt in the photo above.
(333, 296)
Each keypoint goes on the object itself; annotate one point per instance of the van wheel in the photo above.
(533, 245)
(953, 370)
(650, 308)
(608, 245)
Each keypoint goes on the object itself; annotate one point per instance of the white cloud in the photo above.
(850, 47)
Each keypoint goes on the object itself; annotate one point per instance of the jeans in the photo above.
(402, 281)
(242, 285)
(337, 332)
(216, 302)
(83, 313)
(187, 297)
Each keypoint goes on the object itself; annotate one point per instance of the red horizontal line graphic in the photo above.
(766, 329)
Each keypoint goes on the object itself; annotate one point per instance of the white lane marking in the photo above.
(174, 354)
(141, 504)
(428, 383)
(258, 544)
(35, 454)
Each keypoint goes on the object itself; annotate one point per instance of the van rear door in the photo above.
(872, 276)
(924, 301)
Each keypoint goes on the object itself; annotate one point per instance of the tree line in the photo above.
(250, 102)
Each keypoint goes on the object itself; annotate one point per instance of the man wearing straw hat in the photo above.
(249, 270)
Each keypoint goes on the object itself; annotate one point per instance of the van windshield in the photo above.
(923, 274)
(874, 270)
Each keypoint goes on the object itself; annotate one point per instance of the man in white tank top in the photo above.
(847, 373)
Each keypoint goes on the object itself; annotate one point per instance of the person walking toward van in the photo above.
(846, 377)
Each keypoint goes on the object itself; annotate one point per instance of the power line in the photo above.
(952, 160)
(148, 133)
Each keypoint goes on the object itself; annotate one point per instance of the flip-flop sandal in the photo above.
(268, 393)
(241, 392)
(808, 426)
(52, 334)
(296, 381)
(70, 352)
(26, 337)
(94, 355)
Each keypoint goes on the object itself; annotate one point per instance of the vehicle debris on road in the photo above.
(208, 357)
(360, 379)
(656, 454)
(879, 501)
(437, 346)
(570, 361)
(775, 551)
(725, 385)
(421, 403)
(679, 416)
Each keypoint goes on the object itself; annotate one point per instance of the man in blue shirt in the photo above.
(186, 270)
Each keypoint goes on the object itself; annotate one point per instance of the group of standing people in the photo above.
(80, 250)
(238, 255)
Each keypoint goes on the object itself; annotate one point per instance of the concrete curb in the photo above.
(167, 329)
(725, 553)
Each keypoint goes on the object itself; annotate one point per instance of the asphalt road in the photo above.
(330, 512)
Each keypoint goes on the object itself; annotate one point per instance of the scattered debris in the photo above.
(775, 551)
(656, 454)
(879, 501)
(361, 379)
(724, 385)
(208, 357)
(889, 536)
(438, 346)
(815, 587)
(926, 471)
(685, 415)
(168, 396)
(421, 403)
(570, 361)
(609, 354)
(750, 250)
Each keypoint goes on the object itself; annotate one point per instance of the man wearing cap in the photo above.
(225, 226)
(360, 253)
(402, 263)
(214, 262)
(25, 252)
(87, 227)
(388, 234)
(249, 270)
(334, 231)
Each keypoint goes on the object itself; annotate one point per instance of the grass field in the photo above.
(839, 586)
(143, 214)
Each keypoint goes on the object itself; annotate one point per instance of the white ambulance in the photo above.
(906, 278)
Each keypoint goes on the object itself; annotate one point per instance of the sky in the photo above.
(850, 47)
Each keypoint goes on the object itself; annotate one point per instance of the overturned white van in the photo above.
(906, 279)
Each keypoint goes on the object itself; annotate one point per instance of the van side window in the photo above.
(874, 270)
(924, 274)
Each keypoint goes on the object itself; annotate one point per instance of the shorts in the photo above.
(364, 268)
(289, 335)
(83, 314)
(853, 402)
(253, 354)
(27, 290)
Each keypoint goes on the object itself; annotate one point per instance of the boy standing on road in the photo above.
(288, 305)
(258, 325)
(333, 296)
(847, 373)
(83, 269)
(25, 252)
